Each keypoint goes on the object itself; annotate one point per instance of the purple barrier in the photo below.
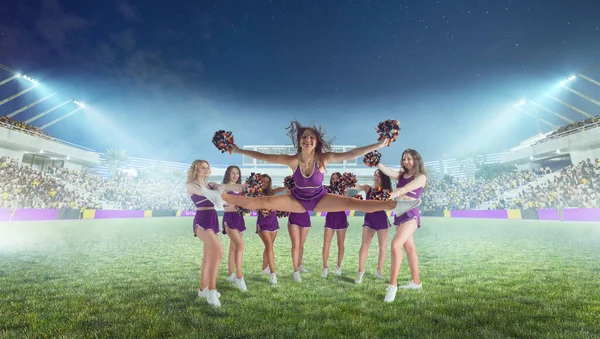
(548, 214)
(28, 214)
(4, 214)
(190, 213)
(109, 214)
(484, 214)
(581, 214)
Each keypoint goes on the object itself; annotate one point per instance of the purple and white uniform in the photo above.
(233, 220)
(336, 221)
(377, 221)
(308, 191)
(413, 214)
(205, 219)
(299, 219)
(268, 223)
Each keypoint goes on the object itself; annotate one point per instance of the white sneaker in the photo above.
(302, 269)
(273, 279)
(267, 270)
(411, 286)
(403, 206)
(359, 276)
(215, 197)
(231, 278)
(241, 284)
(324, 272)
(212, 297)
(202, 293)
(379, 275)
(296, 276)
(338, 271)
(390, 293)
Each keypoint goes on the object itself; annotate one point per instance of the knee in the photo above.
(410, 249)
(240, 247)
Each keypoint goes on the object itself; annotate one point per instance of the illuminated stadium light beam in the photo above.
(79, 103)
(32, 119)
(581, 95)
(582, 112)
(26, 107)
(552, 112)
(59, 119)
(9, 79)
(590, 80)
(18, 94)
(538, 119)
(567, 80)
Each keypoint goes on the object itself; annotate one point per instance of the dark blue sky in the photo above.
(160, 79)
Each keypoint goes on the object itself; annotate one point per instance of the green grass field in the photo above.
(139, 278)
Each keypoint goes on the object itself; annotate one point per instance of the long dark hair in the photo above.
(227, 175)
(418, 163)
(295, 131)
(386, 182)
(269, 189)
(331, 179)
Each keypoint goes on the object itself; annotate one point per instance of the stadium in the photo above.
(509, 246)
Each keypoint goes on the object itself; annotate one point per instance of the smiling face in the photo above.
(408, 162)
(335, 179)
(266, 182)
(202, 170)
(308, 140)
(377, 179)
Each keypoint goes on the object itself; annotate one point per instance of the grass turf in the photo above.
(139, 278)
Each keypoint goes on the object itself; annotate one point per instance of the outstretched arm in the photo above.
(389, 172)
(419, 181)
(228, 187)
(364, 188)
(282, 159)
(353, 154)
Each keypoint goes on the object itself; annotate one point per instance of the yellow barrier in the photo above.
(89, 214)
(514, 214)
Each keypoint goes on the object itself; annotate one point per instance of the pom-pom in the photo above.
(264, 212)
(358, 196)
(348, 180)
(389, 130)
(253, 189)
(378, 193)
(372, 159)
(282, 214)
(223, 140)
(288, 182)
(336, 189)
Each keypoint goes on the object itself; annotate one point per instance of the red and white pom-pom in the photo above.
(358, 196)
(253, 188)
(389, 130)
(223, 140)
(288, 182)
(281, 214)
(264, 212)
(348, 180)
(378, 193)
(242, 211)
(372, 159)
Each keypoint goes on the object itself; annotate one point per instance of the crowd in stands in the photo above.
(469, 193)
(575, 186)
(23, 127)
(575, 127)
(23, 187)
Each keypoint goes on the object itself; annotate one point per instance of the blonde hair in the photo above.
(191, 174)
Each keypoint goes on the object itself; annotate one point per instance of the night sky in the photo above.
(160, 77)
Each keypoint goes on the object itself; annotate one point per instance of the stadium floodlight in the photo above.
(79, 103)
(18, 75)
(41, 151)
(520, 103)
(531, 157)
(557, 151)
(32, 80)
(567, 80)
